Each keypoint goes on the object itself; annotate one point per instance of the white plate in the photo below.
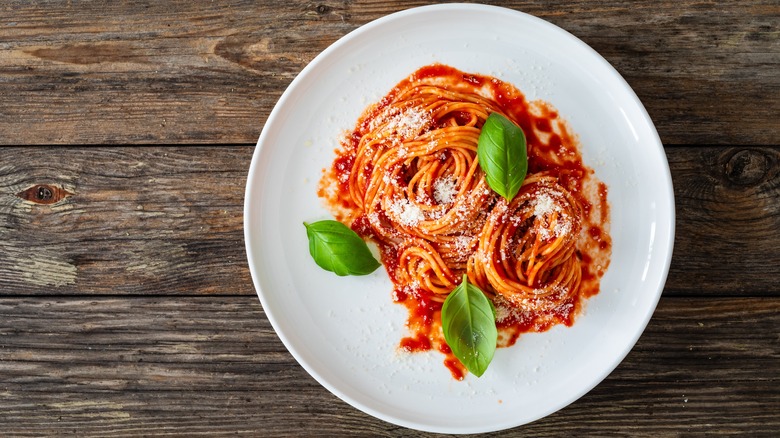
(345, 331)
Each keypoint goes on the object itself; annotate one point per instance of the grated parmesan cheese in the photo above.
(407, 213)
(545, 205)
(562, 228)
(407, 124)
(463, 243)
(444, 190)
(502, 312)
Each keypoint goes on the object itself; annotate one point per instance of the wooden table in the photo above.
(126, 305)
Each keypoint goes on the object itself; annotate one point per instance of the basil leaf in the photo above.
(502, 155)
(468, 320)
(336, 248)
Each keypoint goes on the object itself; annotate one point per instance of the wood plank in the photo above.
(170, 219)
(728, 217)
(188, 366)
(139, 220)
(210, 72)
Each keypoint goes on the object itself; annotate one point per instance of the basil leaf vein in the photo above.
(468, 320)
(502, 155)
(338, 249)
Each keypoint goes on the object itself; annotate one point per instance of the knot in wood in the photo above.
(44, 194)
(323, 9)
(747, 167)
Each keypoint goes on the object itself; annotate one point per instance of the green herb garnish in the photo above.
(468, 320)
(336, 248)
(502, 155)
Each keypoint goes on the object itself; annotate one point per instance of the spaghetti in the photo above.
(408, 178)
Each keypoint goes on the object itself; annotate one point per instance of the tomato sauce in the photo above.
(552, 148)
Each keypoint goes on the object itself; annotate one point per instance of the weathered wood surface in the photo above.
(126, 306)
(159, 220)
(169, 220)
(210, 72)
(191, 351)
(190, 365)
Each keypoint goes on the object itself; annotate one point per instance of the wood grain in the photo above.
(126, 304)
(159, 366)
(152, 217)
(728, 217)
(169, 219)
(210, 72)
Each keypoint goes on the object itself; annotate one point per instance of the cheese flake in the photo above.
(444, 190)
(407, 213)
